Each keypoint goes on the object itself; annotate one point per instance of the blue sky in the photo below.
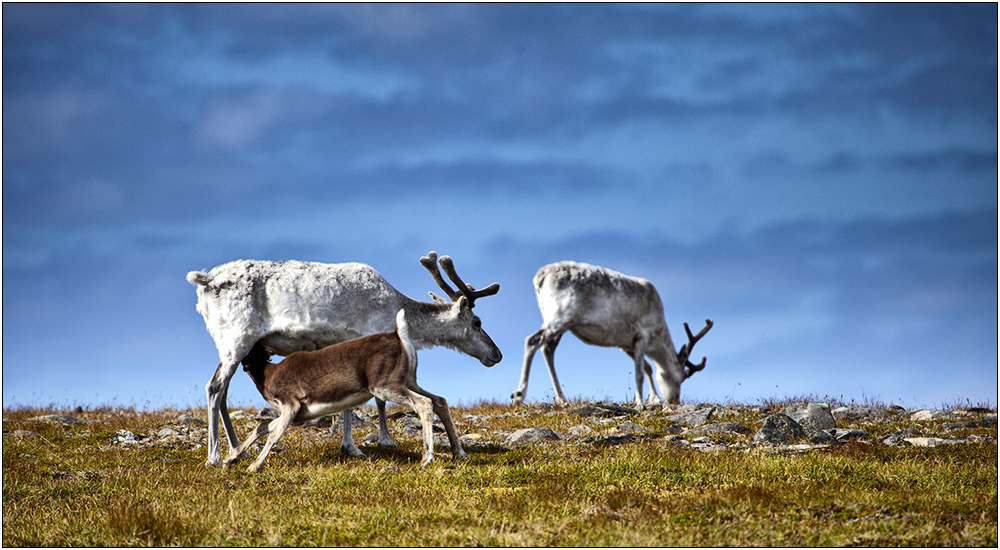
(821, 180)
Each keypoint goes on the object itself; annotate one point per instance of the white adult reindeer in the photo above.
(606, 308)
(298, 306)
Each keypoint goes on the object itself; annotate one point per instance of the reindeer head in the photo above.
(672, 393)
(473, 340)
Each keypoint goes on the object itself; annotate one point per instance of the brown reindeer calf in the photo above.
(311, 384)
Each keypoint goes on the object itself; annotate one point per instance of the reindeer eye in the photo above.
(477, 324)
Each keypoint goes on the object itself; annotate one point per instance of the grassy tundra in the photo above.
(93, 484)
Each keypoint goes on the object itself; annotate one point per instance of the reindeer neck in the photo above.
(428, 323)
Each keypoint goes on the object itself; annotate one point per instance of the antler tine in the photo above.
(466, 289)
(430, 262)
(686, 349)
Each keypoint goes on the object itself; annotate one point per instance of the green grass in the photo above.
(75, 486)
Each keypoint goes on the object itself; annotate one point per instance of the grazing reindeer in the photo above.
(298, 306)
(606, 308)
(310, 384)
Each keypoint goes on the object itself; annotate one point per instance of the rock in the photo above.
(532, 435)
(693, 418)
(986, 421)
(814, 436)
(613, 440)
(854, 413)
(126, 437)
(267, 413)
(929, 441)
(581, 430)
(722, 428)
(24, 434)
(602, 410)
(898, 437)
(841, 434)
(631, 428)
(472, 442)
(816, 415)
(166, 432)
(239, 415)
(407, 424)
(63, 419)
(191, 420)
(933, 414)
(778, 429)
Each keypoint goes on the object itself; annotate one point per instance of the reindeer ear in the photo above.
(437, 299)
(463, 303)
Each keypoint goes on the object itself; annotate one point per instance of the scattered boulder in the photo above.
(63, 419)
(933, 414)
(631, 427)
(612, 440)
(929, 441)
(841, 434)
(733, 428)
(693, 418)
(602, 410)
(816, 415)
(191, 420)
(898, 438)
(581, 430)
(126, 437)
(986, 421)
(167, 432)
(22, 434)
(532, 435)
(854, 413)
(778, 429)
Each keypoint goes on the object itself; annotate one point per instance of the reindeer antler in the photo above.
(430, 262)
(684, 355)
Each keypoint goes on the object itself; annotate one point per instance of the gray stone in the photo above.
(166, 432)
(408, 423)
(532, 435)
(816, 415)
(929, 441)
(693, 418)
(778, 429)
(933, 414)
(854, 413)
(841, 434)
(987, 421)
(814, 436)
(24, 434)
(897, 438)
(581, 430)
(189, 420)
(602, 410)
(613, 440)
(631, 427)
(722, 428)
(63, 419)
(126, 437)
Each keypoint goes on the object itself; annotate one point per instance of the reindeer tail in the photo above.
(403, 331)
(199, 278)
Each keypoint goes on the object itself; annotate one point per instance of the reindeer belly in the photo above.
(596, 335)
(314, 409)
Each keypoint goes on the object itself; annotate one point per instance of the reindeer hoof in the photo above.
(352, 451)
